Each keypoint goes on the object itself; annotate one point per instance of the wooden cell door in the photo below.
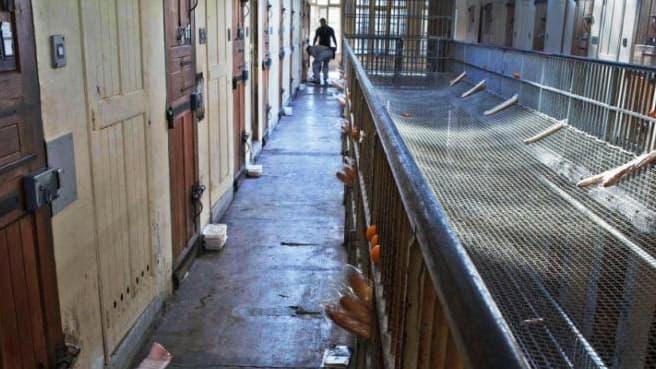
(281, 57)
(305, 33)
(291, 47)
(180, 79)
(238, 85)
(255, 67)
(30, 325)
(266, 66)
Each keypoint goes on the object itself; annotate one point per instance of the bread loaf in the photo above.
(346, 321)
(356, 308)
(362, 289)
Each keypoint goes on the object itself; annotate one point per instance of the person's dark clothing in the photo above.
(324, 34)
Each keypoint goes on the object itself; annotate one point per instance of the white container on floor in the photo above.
(215, 236)
(254, 170)
(287, 110)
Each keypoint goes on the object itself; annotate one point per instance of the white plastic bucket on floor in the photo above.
(287, 110)
(254, 170)
(215, 236)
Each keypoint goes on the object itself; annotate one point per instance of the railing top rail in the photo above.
(638, 67)
(476, 322)
(375, 37)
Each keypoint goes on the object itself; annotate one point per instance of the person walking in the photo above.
(324, 34)
(323, 52)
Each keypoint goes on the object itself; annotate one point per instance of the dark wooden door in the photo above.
(238, 84)
(180, 78)
(30, 325)
(305, 32)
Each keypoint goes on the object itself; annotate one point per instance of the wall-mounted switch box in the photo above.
(58, 51)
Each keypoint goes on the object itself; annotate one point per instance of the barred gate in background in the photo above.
(397, 36)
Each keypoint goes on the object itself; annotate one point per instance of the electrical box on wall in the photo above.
(58, 51)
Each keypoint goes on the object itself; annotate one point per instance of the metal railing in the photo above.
(398, 56)
(433, 307)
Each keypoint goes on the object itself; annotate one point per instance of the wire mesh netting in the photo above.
(572, 270)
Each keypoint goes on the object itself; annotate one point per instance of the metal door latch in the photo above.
(41, 187)
(197, 191)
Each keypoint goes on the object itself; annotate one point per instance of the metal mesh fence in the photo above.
(572, 270)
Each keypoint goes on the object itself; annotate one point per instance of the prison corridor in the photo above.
(258, 302)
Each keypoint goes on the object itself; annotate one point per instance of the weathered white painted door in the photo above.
(219, 99)
(118, 130)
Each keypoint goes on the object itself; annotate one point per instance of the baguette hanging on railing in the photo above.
(457, 79)
(613, 176)
(504, 105)
(546, 133)
(346, 177)
(346, 321)
(479, 86)
(361, 287)
(356, 307)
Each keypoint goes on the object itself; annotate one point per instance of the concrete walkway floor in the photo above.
(259, 302)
